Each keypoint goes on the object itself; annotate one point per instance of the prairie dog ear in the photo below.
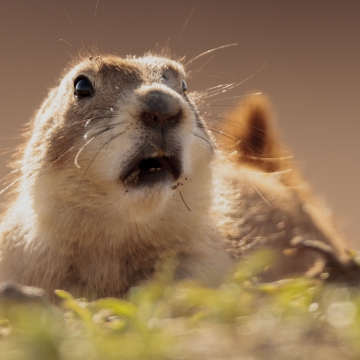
(251, 124)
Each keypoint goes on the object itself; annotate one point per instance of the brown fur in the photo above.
(276, 206)
(78, 222)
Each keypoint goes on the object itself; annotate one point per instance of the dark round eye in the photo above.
(184, 86)
(83, 87)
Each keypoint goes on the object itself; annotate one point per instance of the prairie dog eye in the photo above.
(83, 87)
(184, 85)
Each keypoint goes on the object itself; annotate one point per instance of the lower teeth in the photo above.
(133, 177)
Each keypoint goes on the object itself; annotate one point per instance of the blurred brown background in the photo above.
(312, 51)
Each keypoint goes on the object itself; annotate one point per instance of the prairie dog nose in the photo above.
(160, 109)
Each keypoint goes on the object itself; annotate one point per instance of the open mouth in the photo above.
(151, 170)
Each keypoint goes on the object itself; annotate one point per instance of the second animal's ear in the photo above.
(251, 133)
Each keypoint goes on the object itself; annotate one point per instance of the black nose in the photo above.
(159, 118)
(160, 109)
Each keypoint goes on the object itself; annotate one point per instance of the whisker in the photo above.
(79, 152)
(279, 158)
(237, 84)
(23, 168)
(87, 121)
(65, 42)
(98, 118)
(254, 130)
(212, 72)
(254, 187)
(237, 105)
(228, 134)
(185, 24)
(6, 151)
(235, 123)
(206, 140)
(10, 185)
(208, 75)
(108, 127)
(31, 167)
(236, 97)
(221, 89)
(97, 153)
(221, 132)
(190, 73)
(214, 87)
(9, 175)
(223, 119)
(205, 63)
(82, 40)
(208, 52)
(59, 158)
(264, 173)
(184, 200)
(214, 146)
(202, 138)
(96, 29)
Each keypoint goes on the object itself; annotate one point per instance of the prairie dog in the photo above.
(115, 174)
(119, 170)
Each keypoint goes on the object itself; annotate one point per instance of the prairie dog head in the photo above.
(117, 134)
